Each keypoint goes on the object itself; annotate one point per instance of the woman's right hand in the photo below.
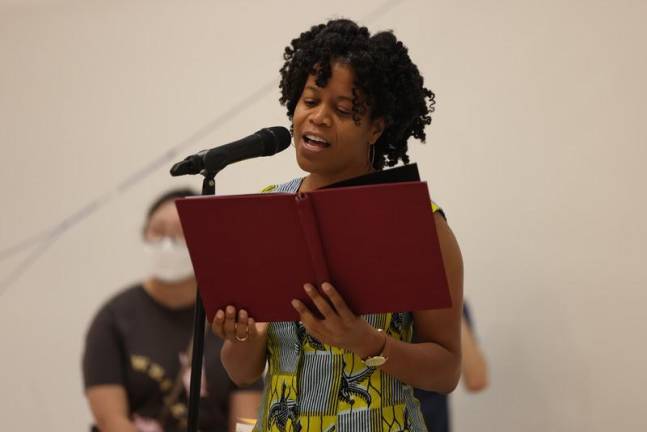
(244, 350)
(237, 326)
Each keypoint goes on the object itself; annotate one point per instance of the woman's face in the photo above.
(164, 222)
(328, 141)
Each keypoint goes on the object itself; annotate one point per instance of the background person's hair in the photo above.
(384, 73)
(170, 195)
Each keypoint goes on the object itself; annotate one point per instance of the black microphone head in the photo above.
(190, 165)
(275, 139)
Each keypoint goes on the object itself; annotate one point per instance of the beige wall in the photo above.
(535, 152)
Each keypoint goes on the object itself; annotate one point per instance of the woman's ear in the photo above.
(377, 127)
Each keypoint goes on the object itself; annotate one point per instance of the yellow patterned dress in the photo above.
(314, 387)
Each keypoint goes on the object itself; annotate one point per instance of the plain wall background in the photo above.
(536, 152)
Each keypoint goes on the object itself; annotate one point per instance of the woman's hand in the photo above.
(339, 327)
(236, 328)
(243, 353)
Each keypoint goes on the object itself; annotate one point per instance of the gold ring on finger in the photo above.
(244, 338)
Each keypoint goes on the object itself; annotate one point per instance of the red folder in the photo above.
(376, 244)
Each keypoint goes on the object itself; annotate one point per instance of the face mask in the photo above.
(169, 260)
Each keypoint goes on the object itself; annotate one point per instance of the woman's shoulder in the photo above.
(435, 208)
(270, 188)
(290, 186)
(294, 184)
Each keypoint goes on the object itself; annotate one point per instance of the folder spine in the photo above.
(310, 228)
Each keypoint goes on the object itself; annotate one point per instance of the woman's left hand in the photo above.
(339, 327)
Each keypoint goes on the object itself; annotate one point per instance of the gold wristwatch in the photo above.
(380, 359)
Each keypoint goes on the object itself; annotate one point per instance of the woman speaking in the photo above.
(354, 100)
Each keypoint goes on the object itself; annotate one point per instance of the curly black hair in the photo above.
(384, 73)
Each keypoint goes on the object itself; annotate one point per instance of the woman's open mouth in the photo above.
(314, 142)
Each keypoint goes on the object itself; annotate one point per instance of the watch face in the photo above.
(375, 361)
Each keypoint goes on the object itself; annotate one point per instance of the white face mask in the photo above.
(169, 260)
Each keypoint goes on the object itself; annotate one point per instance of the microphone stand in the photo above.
(265, 142)
(208, 188)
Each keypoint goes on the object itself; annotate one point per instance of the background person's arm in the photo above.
(103, 374)
(109, 406)
(474, 367)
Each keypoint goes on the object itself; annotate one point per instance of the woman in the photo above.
(135, 364)
(354, 100)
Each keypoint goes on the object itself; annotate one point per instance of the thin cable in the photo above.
(26, 263)
(24, 244)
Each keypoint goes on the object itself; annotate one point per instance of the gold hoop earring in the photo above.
(371, 156)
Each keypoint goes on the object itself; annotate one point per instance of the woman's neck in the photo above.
(315, 181)
(175, 295)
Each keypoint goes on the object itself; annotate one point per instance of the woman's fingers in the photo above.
(338, 302)
(235, 326)
(230, 323)
(310, 322)
(322, 304)
(217, 326)
(256, 328)
(242, 327)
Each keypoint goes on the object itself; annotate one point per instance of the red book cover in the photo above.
(376, 244)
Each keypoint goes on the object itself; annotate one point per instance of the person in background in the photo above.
(474, 376)
(136, 362)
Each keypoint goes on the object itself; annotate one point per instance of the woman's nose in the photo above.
(321, 116)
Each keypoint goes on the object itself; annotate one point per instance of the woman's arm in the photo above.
(243, 358)
(475, 374)
(433, 364)
(243, 404)
(109, 406)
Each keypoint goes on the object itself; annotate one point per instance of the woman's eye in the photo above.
(309, 102)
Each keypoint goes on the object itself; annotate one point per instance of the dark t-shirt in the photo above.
(140, 344)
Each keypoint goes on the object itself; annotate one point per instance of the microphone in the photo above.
(265, 142)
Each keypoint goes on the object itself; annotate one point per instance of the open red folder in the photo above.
(376, 244)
